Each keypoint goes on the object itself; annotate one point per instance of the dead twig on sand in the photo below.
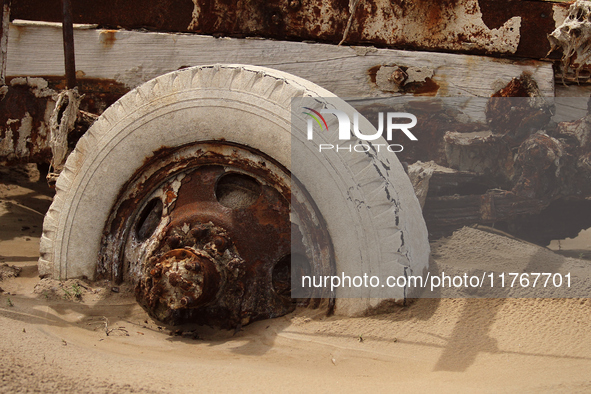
(108, 330)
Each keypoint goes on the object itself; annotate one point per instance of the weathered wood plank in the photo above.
(132, 57)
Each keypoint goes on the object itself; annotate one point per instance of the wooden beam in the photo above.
(131, 58)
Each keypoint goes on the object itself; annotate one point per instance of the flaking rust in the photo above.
(201, 241)
(195, 254)
(573, 36)
(404, 79)
(512, 163)
(473, 26)
(518, 165)
(185, 274)
(27, 106)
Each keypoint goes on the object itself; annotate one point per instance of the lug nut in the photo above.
(156, 272)
(399, 76)
(173, 241)
(193, 266)
(186, 301)
(199, 232)
(221, 243)
(174, 279)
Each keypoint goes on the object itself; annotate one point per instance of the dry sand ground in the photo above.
(54, 341)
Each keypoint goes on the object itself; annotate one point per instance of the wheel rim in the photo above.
(206, 233)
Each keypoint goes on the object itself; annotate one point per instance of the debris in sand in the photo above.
(8, 271)
(72, 289)
(112, 330)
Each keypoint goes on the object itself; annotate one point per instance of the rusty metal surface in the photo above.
(166, 15)
(25, 109)
(200, 249)
(515, 28)
(99, 94)
(513, 164)
(236, 256)
(537, 21)
(27, 104)
(572, 37)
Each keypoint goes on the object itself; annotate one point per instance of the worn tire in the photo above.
(377, 229)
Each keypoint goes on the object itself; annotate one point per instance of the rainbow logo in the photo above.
(316, 117)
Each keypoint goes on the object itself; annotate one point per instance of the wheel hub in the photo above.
(207, 238)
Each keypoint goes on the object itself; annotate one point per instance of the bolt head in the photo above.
(173, 241)
(199, 232)
(398, 76)
(221, 243)
(193, 266)
(156, 272)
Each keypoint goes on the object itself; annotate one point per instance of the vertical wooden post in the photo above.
(68, 32)
(5, 24)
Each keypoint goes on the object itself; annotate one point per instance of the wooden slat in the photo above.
(132, 57)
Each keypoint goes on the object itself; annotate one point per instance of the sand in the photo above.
(86, 337)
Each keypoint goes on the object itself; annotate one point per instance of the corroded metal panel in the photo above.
(25, 109)
(474, 26)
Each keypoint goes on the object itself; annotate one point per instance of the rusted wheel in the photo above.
(204, 233)
(185, 188)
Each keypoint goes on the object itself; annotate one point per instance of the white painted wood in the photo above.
(133, 57)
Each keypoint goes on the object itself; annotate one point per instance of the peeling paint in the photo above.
(573, 36)
(24, 134)
(26, 109)
(24, 112)
(473, 26)
(404, 79)
(6, 144)
(61, 124)
(560, 12)
(195, 16)
(445, 25)
(38, 86)
(136, 76)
